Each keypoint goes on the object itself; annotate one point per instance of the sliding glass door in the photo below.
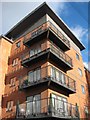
(57, 75)
(34, 76)
(33, 105)
(29, 105)
(30, 76)
(59, 105)
(65, 106)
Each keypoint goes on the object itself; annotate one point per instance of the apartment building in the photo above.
(45, 76)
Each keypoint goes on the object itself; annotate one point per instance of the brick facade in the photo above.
(54, 63)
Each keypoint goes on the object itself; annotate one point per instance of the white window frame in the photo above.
(12, 82)
(14, 62)
(9, 106)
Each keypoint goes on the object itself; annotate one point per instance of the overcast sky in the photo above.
(75, 15)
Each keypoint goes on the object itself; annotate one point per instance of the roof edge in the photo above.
(71, 34)
(6, 38)
(24, 18)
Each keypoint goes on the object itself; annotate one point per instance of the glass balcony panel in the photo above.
(55, 106)
(47, 73)
(29, 105)
(45, 26)
(30, 77)
(50, 47)
(31, 52)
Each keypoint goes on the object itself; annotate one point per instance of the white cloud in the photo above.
(58, 7)
(87, 65)
(79, 31)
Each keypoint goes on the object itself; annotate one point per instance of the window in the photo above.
(62, 76)
(77, 57)
(35, 51)
(9, 106)
(34, 76)
(86, 109)
(30, 76)
(53, 73)
(33, 34)
(57, 75)
(59, 104)
(33, 104)
(18, 44)
(15, 62)
(12, 81)
(31, 52)
(80, 71)
(83, 89)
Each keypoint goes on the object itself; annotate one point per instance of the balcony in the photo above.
(48, 52)
(50, 31)
(49, 108)
(49, 77)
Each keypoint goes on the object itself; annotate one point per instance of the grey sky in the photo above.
(14, 12)
(0, 17)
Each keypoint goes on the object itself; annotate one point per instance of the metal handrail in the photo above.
(47, 105)
(68, 82)
(54, 49)
(46, 25)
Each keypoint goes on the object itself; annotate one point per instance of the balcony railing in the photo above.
(54, 50)
(45, 74)
(46, 26)
(57, 51)
(48, 107)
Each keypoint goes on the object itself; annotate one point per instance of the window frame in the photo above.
(34, 74)
(59, 102)
(9, 105)
(33, 104)
(83, 89)
(12, 81)
(14, 62)
(35, 50)
(80, 72)
(18, 44)
(77, 56)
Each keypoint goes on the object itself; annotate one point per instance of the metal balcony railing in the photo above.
(55, 50)
(48, 73)
(51, 107)
(45, 26)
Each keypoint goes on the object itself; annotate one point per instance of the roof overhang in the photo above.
(35, 15)
(4, 37)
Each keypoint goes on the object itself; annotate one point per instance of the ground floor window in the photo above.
(33, 104)
(59, 105)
